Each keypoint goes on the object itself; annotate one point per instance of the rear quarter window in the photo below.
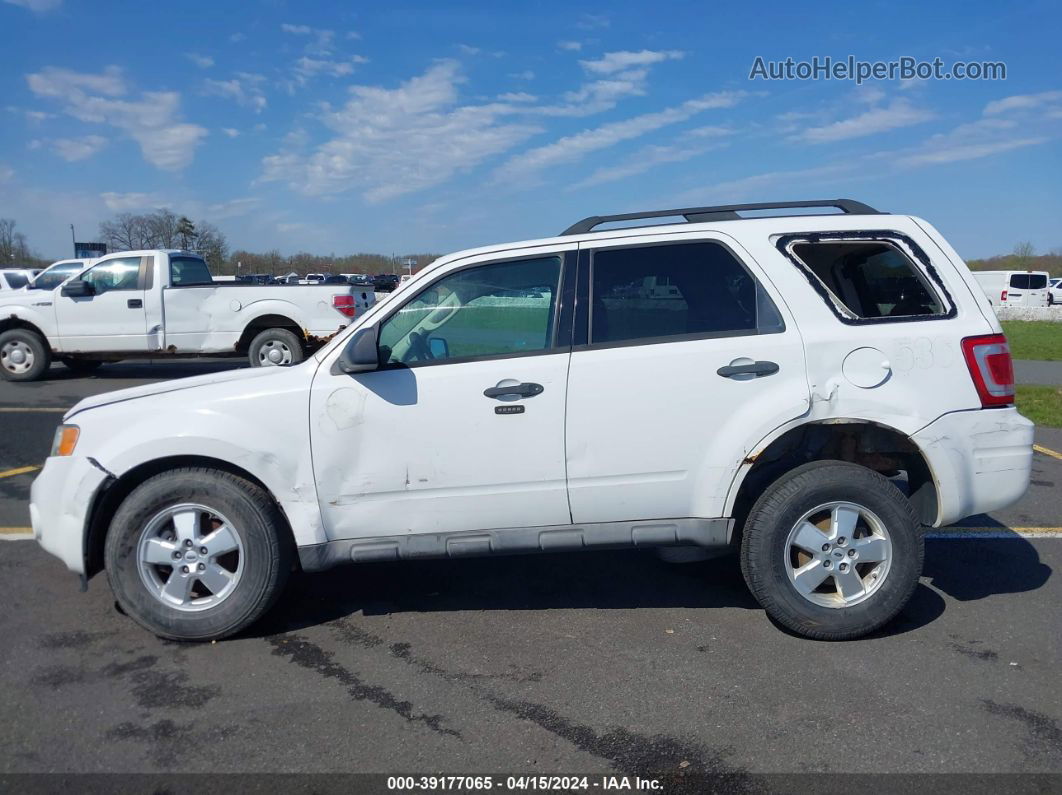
(870, 277)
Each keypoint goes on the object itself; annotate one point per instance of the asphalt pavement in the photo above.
(567, 663)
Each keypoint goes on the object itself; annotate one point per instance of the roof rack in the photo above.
(723, 212)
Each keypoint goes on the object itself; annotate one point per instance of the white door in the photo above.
(462, 427)
(112, 317)
(670, 387)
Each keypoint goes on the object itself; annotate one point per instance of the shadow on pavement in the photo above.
(968, 569)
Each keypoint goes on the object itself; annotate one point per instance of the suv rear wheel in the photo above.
(197, 554)
(832, 550)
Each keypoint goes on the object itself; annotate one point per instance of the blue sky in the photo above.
(433, 126)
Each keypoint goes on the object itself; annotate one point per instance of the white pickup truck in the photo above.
(141, 304)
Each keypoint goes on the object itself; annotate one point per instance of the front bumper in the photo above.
(60, 500)
(980, 460)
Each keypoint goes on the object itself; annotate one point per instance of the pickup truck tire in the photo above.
(275, 347)
(24, 355)
(82, 365)
(832, 550)
(197, 554)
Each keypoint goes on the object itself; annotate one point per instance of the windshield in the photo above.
(52, 277)
(16, 280)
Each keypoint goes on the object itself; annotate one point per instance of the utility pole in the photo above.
(73, 239)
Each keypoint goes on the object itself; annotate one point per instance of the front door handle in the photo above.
(135, 303)
(755, 369)
(516, 390)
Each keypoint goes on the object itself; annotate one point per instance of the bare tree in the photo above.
(211, 243)
(1023, 254)
(127, 232)
(163, 227)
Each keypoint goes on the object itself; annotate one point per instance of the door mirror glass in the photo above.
(439, 348)
(360, 354)
(75, 288)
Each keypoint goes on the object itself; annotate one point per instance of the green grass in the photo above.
(1034, 339)
(1041, 404)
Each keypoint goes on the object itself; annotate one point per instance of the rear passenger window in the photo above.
(868, 279)
(1028, 281)
(676, 290)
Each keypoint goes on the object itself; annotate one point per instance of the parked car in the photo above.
(312, 278)
(16, 278)
(806, 414)
(138, 304)
(1014, 288)
(1054, 292)
(385, 282)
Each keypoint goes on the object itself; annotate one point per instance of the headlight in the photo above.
(65, 440)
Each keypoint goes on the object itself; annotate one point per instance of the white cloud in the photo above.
(956, 153)
(592, 22)
(306, 67)
(1022, 102)
(574, 147)
(899, 113)
(618, 61)
(391, 141)
(37, 6)
(153, 120)
(202, 61)
(126, 202)
(244, 89)
(74, 149)
(645, 159)
(570, 46)
(517, 96)
(297, 30)
(970, 141)
(527, 74)
(233, 208)
(237, 37)
(6, 173)
(231, 132)
(467, 49)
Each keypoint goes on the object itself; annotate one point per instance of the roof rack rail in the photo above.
(723, 212)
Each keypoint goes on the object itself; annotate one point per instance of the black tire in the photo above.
(275, 337)
(765, 565)
(18, 340)
(81, 365)
(254, 517)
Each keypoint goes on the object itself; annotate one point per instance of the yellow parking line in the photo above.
(30, 410)
(1047, 451)
(10, 473)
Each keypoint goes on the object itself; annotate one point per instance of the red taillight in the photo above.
(992, 371)
(1003, 297)
(344, 304)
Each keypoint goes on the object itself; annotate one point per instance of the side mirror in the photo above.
(361, 354)
(75, 288)
(439, 348)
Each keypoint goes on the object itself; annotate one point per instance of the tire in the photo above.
(82, 365)
(275, 341)
(24, 355)
(773, 552)
(257, 569)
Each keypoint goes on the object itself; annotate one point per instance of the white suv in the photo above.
(820, 387)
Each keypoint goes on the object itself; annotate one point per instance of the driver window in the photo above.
(491, 310)
(114, 274)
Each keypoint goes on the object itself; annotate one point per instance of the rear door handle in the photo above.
(516, 390)
(755, 369)
(135, 303)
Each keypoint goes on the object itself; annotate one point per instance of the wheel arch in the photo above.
(14, 321)
(116, 489)
(267, 321)
(875, 445)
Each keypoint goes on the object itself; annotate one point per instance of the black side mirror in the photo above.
(75, 288)
(360, 354)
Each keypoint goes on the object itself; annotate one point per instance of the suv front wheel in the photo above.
(832, 550)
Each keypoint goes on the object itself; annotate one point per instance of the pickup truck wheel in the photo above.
(832, 550)
(82, 365)
(275, 347)
(24, 355)
(197, 554)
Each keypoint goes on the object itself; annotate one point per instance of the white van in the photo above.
(1014, 288)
